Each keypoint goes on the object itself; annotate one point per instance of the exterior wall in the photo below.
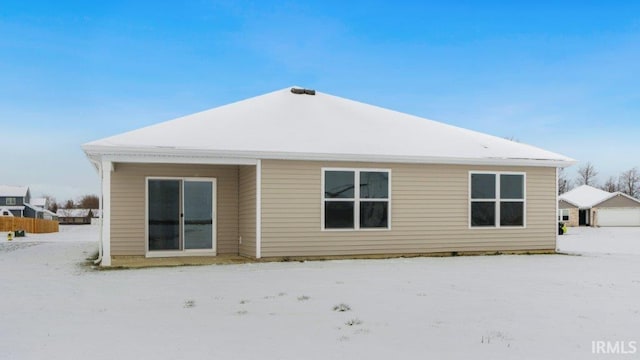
(618, 201)
(429, 212)
(247, 210)
(565, 205)
(17, 213)
(573, 213)
(574, 218)
(128, 196)
(74, 220)
(28, 212)
(19, 200)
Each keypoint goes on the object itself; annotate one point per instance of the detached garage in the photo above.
(618, 210)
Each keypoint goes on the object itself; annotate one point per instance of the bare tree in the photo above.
(52, 205)
(69, 204)
(630, 182)
(89, 202)
(611, 185)
(587, 174)
(564, 184)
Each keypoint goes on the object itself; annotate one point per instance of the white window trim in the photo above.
(356, 198)
(10, 201)
(561, 212)
(183, 252)
(497, 200)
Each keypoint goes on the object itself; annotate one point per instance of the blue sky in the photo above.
(560, 75)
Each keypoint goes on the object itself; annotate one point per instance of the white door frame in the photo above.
(183, 252)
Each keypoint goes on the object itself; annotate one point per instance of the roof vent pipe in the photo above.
(303, 91)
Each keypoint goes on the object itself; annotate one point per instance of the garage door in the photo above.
(618, 217)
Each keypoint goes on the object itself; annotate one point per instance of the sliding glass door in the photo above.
(198, 214)
(181, 214)
(164, 214)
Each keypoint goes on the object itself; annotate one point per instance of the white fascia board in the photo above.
(174, 155)
(176, 159)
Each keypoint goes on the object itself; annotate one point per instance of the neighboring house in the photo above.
(18, 200)
(300, 173)
(74, 216)
(37, 212)
(13, 198)
(588, 206)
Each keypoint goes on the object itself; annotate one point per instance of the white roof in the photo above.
(39, 202)
(13, 191)
(585, 196)
(4, 210)
(73, 212)
(283, 125)
(49, 212)
(96, 212)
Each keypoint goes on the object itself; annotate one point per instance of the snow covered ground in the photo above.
(606, 240)
(483, 307)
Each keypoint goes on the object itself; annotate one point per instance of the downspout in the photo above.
(99, 166)
(555, 228)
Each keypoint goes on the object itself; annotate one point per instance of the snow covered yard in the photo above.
(505, 307)
(606, 240)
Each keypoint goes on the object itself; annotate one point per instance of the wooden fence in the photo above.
(30, 225)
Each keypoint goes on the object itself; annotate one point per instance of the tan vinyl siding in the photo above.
(247, 210)
(618, 201)
(429, 212)
(128, 193)
(565, 205)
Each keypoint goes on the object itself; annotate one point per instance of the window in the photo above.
(349, 207)
(497, 199)
(563, 214)
(11, 201)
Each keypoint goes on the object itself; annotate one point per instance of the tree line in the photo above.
(84, 202)
(628, 182)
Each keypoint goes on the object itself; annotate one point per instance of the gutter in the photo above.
(134, 154)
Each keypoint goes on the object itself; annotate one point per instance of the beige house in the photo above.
(589, 206)
(302, 173)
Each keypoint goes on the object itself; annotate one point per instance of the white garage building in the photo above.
(588, 206)
(619, 210)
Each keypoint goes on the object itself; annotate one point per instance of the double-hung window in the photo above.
(563, 214)
(11, 201)
(347, 206)
(497, 199)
